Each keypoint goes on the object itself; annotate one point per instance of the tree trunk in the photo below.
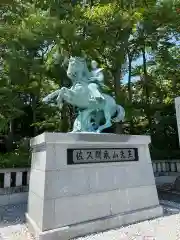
(129, 80)
(34, 114)
(117, 85)
(117, 75)
(64, 119)
(146, 88)
(10, 137)
(130, 89)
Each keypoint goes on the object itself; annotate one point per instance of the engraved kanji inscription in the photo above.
(122, 154)
(79, 155)
(98, 154)
(115, 155)
(88, 155)
(106, 155)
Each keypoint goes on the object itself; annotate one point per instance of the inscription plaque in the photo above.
(98, 155)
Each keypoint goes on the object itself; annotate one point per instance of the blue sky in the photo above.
(138, 62)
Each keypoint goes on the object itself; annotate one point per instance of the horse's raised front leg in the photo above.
(66, 95)
(50, 97)
(60, 97)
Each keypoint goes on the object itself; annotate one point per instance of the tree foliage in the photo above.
(37, 37)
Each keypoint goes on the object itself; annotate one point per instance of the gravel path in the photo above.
(12, 226)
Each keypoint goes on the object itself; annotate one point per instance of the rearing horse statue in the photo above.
(84, 94)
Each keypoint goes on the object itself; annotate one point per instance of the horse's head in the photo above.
(77, 69)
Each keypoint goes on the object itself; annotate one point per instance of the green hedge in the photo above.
(15, 160)
(19, 157)
(165, 154)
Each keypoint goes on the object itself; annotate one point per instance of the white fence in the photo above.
(14, 182)
(14, 177)
(166, 173)
(166, 167)
(13, 185)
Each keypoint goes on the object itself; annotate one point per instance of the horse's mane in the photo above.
(86, 73)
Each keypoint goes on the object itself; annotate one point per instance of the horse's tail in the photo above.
(120, 114)
(50, 96)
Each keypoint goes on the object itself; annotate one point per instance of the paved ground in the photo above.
(12, 226)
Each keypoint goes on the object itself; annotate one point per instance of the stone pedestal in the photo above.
(84, 183)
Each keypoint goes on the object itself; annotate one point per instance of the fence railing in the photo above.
(14, 183)
(13, 177)
(165, 167)
(18, 178)
(14, 186)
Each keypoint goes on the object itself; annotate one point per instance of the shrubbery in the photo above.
(15, 160)
(166, 154)
(19, 158)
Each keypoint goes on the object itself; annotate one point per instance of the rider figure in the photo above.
(96, 81)
(97, 74)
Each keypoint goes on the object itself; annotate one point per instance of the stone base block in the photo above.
(85, 183)
(94, 226)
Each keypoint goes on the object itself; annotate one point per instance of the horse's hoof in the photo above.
(98, 131)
